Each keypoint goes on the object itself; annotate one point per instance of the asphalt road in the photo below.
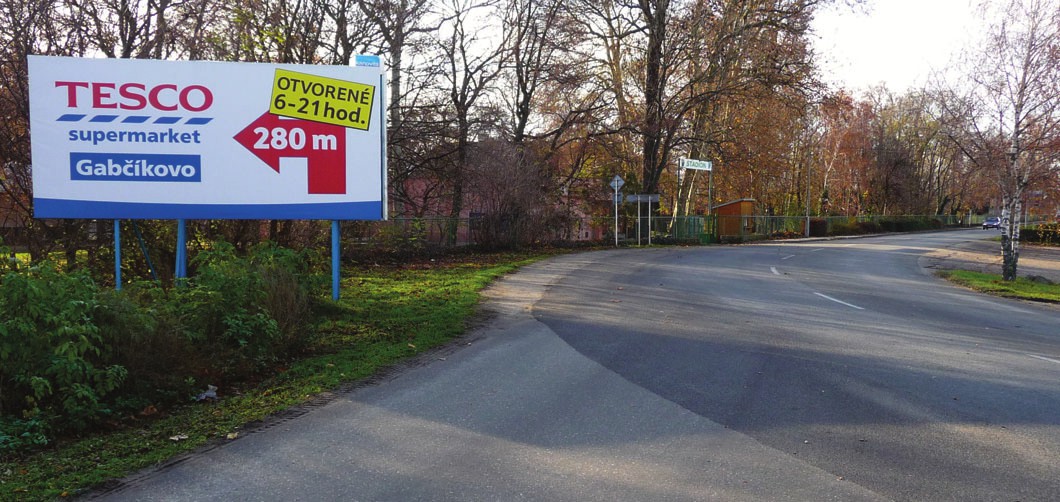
(832, 370)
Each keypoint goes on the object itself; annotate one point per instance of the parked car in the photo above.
(992, 222)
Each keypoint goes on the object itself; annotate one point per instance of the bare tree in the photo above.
(31, 27)
(398, 22)
(1010, 108)
(128, 28)
(536, 42)
(472, 64)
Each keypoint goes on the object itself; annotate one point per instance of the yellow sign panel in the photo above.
(322, 99)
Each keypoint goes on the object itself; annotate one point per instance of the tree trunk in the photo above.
(1010, 238)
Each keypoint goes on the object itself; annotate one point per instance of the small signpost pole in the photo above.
(638, 220)
(649, 218)
(117, 255)
(616, 183)
(710, 195)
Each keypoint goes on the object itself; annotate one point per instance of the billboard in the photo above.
(120, 138)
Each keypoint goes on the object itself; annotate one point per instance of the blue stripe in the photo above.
(61, 208)
(133, 119)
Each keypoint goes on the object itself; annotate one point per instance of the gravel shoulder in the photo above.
(985, 256)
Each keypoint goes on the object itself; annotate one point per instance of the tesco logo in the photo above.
(136, 96)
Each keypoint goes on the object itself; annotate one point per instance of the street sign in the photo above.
(618, 197)
(642, 197)
(700, 165)
(617, 182)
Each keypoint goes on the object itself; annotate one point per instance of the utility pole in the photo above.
(807, 200)
(616, 183)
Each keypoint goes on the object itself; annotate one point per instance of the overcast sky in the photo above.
(897, 42)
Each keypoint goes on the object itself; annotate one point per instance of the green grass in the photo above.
(385, 315)
(1021, 288)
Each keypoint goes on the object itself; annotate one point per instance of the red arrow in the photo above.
(270, 138)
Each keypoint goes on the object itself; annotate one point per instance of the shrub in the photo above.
(1047, 234)
(845, 228)
(50, 348)
(818, 227)
(868, 227)
(249, 311)
(145, 333)
(17, 434)
(72, 354)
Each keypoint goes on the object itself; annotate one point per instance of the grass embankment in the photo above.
(385, 315)
(1022, 288)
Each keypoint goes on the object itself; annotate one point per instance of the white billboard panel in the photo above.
(118, 138)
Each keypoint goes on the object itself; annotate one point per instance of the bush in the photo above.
(845, 228)
(253, 310)
(72, 354)
(50, 348)
(868, 227)
(1046, 234)
(16, 434)
(900, 224)
(818, 227)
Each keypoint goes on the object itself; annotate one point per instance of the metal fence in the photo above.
(714, 228)
(413, 233)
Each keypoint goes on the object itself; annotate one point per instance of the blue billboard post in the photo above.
(335, 260)
(117, 255)
(181, 266)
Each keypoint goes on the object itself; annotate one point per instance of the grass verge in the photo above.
(385, 315)
(1022, 288)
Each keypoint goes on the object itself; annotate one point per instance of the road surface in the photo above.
(822, 370)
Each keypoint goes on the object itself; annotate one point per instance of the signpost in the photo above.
(638, 198)
(702, 165)
(150, 139)
(616, 183)
(699, 165)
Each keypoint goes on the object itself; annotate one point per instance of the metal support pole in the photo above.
(181, 271)
(638, 220)
(710, 192)
(649, 222)
(616, 216)
(807, 200)
(335, 260)
(117, 255)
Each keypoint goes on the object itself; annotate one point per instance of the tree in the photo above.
(471, 67)
(1011, 110)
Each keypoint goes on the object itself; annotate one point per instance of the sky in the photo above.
(894, 42)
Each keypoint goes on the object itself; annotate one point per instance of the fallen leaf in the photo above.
(232, 435)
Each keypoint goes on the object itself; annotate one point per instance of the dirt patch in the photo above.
(985, 256)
